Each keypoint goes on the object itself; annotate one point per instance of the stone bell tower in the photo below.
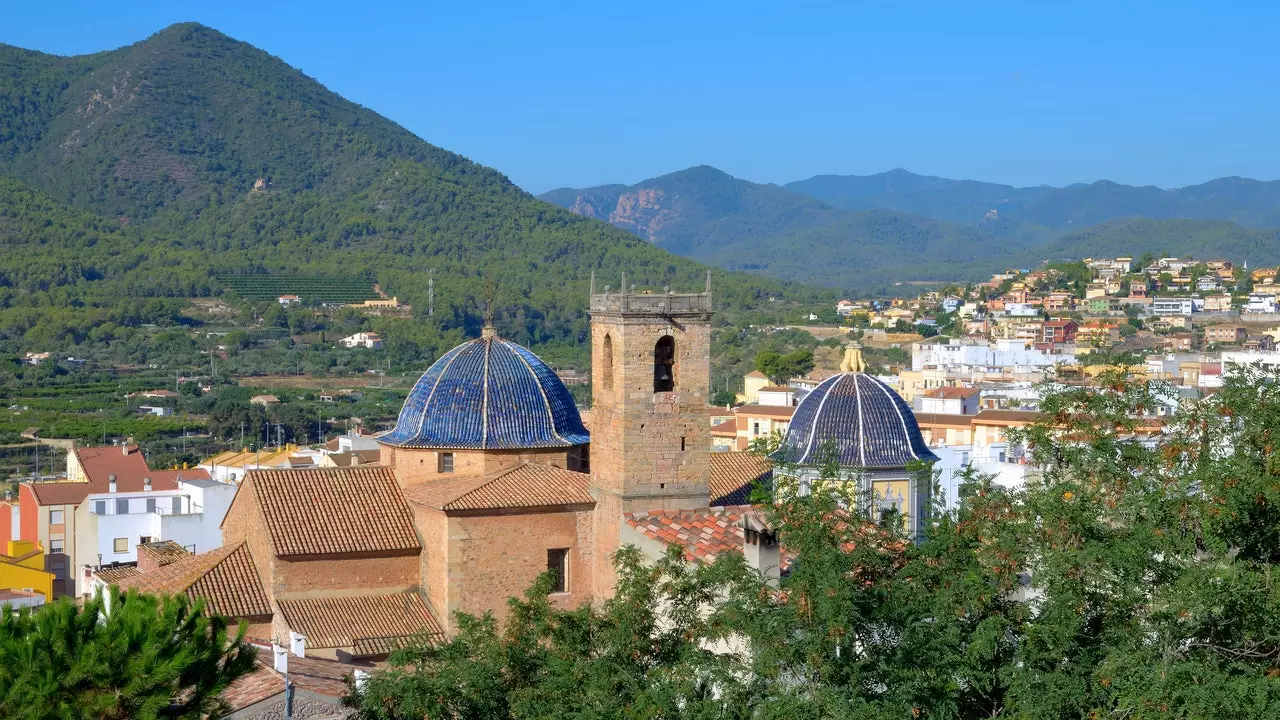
(650, 425)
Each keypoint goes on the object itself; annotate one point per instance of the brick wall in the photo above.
(335, 575)
(414, 465)
(244, 521)
(433, 566)
(495, 557)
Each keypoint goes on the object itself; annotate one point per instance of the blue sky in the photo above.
(566, 93)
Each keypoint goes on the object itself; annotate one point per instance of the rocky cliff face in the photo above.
(643, 212)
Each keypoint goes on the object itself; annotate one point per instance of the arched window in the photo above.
(664, 364)
(606, 362)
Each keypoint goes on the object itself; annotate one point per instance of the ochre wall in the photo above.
(336, 575)
(413, 466)
(494, 557)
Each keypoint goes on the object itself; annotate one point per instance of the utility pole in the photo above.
(431, 293)
(241, 434)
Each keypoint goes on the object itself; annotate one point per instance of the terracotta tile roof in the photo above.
(727, 428)
(321, 511)
(163, 552)
(703, 533)
(114, 575)
(317, 675)
(734, 476)
(60, 493)
(952, 393)
(227, 578)
(1006, 417)
(523, 486)
(104, 460)
(774, 411)
(373, 621)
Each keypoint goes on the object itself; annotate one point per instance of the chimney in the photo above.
(111, 483)
(124, 448)
(281, 658)
(760, 546)
(297, 644)
(146, 484)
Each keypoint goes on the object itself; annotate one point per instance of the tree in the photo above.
(147, 658)
(724, 397)
(782, 367)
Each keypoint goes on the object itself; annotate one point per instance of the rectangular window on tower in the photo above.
(446, 463)
(558, 564)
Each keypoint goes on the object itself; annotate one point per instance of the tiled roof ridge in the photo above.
(181, 570)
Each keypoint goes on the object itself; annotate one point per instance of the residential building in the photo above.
(1021, 310)
(845, 308)
(371, 341)
(109, 526)
(287, 300)
(1259, 343)
(972, 355)
(1264, 276)
(316, 685)
(22, 568)
(751, 384)
(1059, 301)
(264, 400)
(36, 358)
(1218, 302)
(231, 466)
(777, 396)
(1110, 267)
(1097, 334)
(759, 421)
(1226, 334)
(1177, 342)
(1261, 304)
(1059, 331)
(1175, 306)
(1208, 283)
(950, 401)
(1139, 289)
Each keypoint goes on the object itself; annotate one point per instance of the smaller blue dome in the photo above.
(488, 394)
(866, 423)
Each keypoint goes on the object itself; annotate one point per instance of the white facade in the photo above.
(1021, 310)
(777, 397)
(970, 356)
(362, 339)
(1176, 306)
(110, 526)
(1007, 466)
(1260, 304)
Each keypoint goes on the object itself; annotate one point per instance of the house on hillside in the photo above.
(287, 300)
(371, 341)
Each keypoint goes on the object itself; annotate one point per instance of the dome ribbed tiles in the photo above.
(488, 394)
(866, 423)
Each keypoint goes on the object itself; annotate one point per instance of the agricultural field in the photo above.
(312, 290)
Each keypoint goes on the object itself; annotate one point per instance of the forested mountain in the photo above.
(148, 171)
(869, 232)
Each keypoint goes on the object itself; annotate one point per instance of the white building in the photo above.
(1021, 310)
(1176, 306)
(971, 355)
(777, 395)
(1260, 304)
(372, 341)
(109, 526)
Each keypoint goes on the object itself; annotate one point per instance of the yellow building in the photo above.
(22, 568)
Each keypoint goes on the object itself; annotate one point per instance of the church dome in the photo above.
(866, 422)
(488, 394)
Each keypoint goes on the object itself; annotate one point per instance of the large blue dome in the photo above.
(865, 422)
(488, 394)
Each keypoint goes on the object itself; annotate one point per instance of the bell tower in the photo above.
(650, 425)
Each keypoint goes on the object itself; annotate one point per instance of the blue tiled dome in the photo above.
(866, 422)
(488, 394)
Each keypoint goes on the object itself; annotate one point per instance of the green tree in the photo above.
(781, 367)
(147, 658)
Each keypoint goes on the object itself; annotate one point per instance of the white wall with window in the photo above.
(110, 526)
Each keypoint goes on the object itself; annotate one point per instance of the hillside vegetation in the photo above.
(133, 179)
(866, 233)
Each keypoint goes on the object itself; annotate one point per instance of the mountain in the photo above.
(162, 165)
(1042, 210)
(868, 233)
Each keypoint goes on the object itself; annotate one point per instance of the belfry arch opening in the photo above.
(664, 364)
(606, 362)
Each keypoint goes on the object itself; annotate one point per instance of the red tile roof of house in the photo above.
(773, 411)
(1059, 323)
(523, 486)
(101, 461)
(59, 493)
(317, 675)
(322, 511)
(227, 578)
(952, 393)
(163, 552)
(727, 428)
(703, 533)
(734, 476)
(116, 574)
(372, 622)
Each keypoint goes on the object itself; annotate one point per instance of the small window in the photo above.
(755, 428)
(681, 443)
(446, 462)
(120, 545)
(122, 506)
(606, 362)
(664, 364)
(177, 505)
(151, 505)
(145, 539)
(55, 545)
(558, 564)
(55, 517)
(100, 507)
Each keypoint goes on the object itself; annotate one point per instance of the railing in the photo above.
(655, 303)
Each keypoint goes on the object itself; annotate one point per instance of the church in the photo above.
(490, 478)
